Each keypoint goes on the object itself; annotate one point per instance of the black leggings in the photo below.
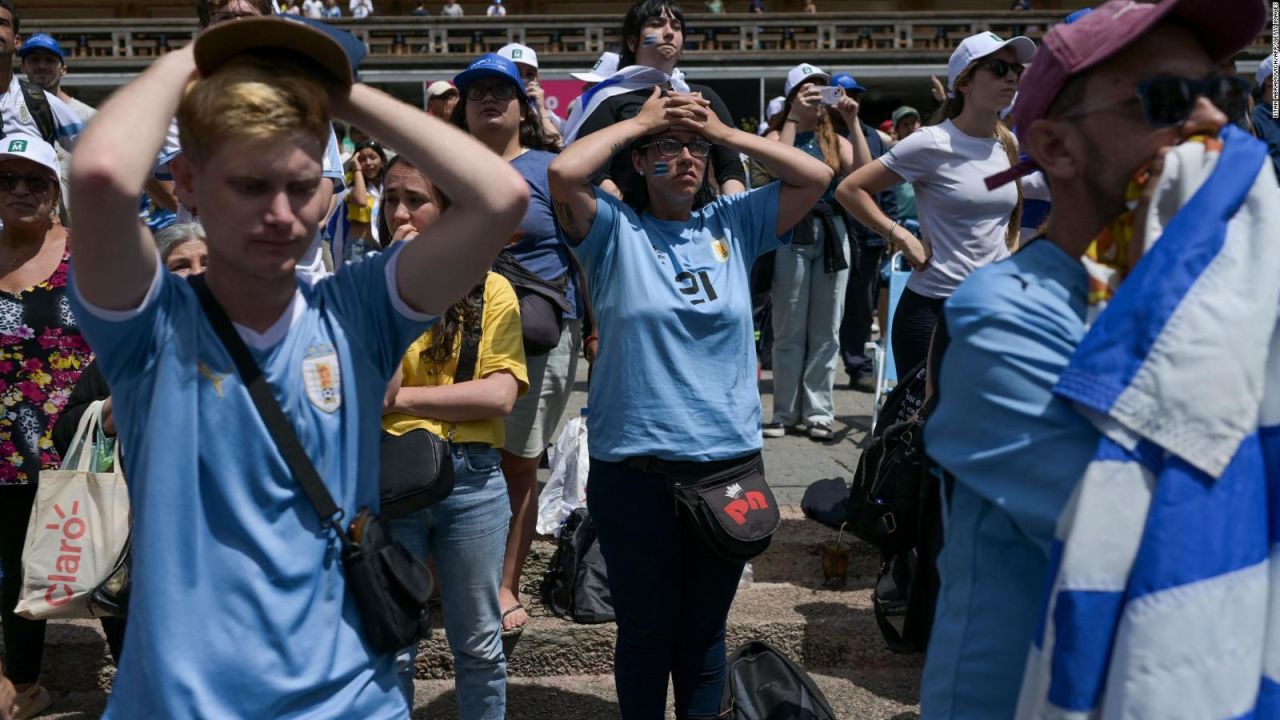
(913, 323)
(23, 638)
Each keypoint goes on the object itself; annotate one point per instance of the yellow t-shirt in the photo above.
(501, 348)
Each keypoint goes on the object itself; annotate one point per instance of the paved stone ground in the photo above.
(831, 629)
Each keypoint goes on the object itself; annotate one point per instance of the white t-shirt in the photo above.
(964, 223)
(313, 8)
(496, 11)
(361, 8)
(452, 10)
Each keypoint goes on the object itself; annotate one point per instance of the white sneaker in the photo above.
(774, 430)
(31, 703)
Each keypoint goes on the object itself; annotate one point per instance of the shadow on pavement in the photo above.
(531, 702)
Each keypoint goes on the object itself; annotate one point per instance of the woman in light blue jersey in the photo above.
(673, 394)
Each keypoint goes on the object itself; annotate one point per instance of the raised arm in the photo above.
(569, 176)
(856, 195)
(488, 198)
(804, 177)
(115, 255)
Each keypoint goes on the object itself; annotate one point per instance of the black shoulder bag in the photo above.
(543, 304)
(417, 467)
(390, 587)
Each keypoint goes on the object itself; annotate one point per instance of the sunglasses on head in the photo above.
(1168, 100)
(35, 183)
(500, 91)
(1003, 67)
(670, 147)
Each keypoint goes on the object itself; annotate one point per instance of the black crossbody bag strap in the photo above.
(469, 353)
(282, 431)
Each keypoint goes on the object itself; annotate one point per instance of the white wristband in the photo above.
(888, 236)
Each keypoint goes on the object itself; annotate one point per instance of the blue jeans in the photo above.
(808, 304)
(671, 596)
(467, 536)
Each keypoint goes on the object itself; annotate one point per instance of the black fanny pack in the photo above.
(732, 511)
(389, 586)
(416, 468)
(543, 304)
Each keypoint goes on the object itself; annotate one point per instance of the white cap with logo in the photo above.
(802, 72)
(976, 47)
(604, 69)
(522, 54)
(30, 147)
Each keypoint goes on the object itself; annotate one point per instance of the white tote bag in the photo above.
(77, 530)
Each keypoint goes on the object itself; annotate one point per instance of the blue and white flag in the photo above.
(628, 79)
(1165, 596)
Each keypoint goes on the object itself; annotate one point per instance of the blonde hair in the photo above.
(951, 109)
(828, 140)
(263, 96)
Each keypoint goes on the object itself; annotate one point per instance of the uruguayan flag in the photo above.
(628, 79)
(1165, 600)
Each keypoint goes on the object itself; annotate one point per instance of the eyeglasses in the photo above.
(1168, 100)
(35, 183)
(1003, 67)
(670, 147)
(500, 91)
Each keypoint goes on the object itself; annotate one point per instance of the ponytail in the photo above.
(1010, 146)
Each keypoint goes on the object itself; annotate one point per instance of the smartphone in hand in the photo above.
(830, 94)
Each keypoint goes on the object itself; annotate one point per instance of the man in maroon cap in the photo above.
(1105, 96)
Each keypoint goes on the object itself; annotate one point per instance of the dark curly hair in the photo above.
(445, 334)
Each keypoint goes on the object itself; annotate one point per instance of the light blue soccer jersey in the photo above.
(240, 608)
(675, 374)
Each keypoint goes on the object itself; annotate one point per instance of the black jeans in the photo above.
(913, 323)
(23, 638)
(671, 595)
(860, 308)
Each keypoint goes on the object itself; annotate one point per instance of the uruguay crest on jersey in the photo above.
(322, 377)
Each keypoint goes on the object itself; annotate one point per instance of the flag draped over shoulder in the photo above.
(1165, 595)
(628, 79)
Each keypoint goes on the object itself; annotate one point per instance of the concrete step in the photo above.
(787, 605)
(886, 694)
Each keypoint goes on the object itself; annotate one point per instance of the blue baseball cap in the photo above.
(41, 41)
(846, 81)
(490, 65)
(334, 50)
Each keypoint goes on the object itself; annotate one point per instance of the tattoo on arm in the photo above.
(577, 228)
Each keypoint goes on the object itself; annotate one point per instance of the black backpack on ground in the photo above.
(576, 585)
(895, 504)
(763, 684)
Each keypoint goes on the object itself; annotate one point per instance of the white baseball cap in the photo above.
(604, 69)
(30, 147)
(803, 72)
(440, 87)
(774, 107)
(1264, 71)
(522, 54)
(976, 47)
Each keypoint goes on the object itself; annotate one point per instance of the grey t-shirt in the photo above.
(964, 223)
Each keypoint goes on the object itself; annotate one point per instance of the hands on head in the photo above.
(681, 111)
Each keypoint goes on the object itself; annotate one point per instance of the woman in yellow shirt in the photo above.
(466, 534)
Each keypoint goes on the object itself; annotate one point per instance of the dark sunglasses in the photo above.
(670, 147)
(500, 91)
(1168, 100)
(1004, 67)
(35, 183)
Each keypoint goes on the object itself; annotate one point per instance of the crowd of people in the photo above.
(388, 271)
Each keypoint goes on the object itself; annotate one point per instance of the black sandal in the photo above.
(512, 636)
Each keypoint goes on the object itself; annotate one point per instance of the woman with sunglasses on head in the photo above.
(41, 356)
(368, 166)
(494, 107)
(965, 225)
(673, 394)
(811, 273)
(466, 533)
(653, 37)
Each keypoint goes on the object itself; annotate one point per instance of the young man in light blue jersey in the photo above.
(241, 606)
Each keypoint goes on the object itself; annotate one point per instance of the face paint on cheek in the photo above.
(661, 168)
(650, 39)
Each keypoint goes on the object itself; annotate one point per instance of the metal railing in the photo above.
(870, 37)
